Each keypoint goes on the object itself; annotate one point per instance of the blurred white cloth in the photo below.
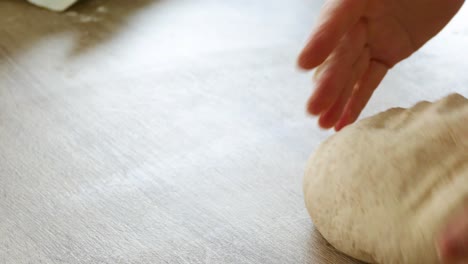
(55, 5)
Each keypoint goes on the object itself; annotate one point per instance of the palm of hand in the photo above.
(355, 44)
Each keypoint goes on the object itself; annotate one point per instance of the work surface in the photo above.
(172, 131)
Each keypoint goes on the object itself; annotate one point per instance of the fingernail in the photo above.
(342, 122)
(302, 61)
(311, 110)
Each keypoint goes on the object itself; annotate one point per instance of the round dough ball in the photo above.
(382, 189)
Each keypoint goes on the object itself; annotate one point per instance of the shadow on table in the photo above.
(322, 252)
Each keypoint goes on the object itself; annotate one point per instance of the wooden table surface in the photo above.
(172, 131)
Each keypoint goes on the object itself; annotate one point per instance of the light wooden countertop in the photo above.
(171, 131)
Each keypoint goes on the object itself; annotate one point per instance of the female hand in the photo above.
(357, 41)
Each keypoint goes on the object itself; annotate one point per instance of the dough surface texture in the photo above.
(382, 189)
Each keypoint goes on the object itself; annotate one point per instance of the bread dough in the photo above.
(382, 189)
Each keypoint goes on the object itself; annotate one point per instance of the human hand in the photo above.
(357, 41)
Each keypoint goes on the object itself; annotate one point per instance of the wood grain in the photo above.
(171, 131)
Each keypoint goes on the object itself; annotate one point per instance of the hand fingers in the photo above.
(331, 116)
(336, 71)
(453, 243)
(362, 93)
(337, 17)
